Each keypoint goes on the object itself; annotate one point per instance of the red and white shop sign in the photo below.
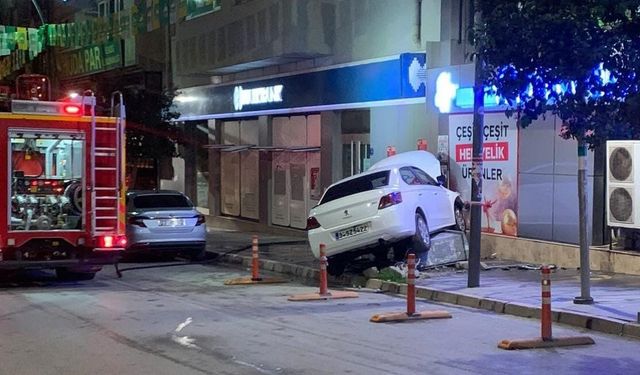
(499, 168)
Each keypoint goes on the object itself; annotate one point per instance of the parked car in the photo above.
(164, 221)
(396, 203)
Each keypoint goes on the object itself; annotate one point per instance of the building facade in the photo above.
(287, 97)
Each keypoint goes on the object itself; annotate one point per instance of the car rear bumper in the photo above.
(389, 225)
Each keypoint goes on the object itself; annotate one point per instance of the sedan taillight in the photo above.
(312, 223)
(201, 220)
(390, 199)
(138, 220)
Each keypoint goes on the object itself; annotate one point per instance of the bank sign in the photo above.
(88, 60)
(259, 95)
(499, 170)
(403, 77)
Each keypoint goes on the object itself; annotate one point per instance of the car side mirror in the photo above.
(441, 180)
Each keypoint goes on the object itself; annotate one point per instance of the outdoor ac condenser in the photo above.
(623, 184)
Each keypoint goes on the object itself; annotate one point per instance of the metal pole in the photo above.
(476, 167)
(585, 268)
(545, 317)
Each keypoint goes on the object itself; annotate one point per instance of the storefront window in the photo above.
(47, 179)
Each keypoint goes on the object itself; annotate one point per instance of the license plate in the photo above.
(353, 231)
(171, 223)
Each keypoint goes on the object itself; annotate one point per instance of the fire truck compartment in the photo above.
(47, 180)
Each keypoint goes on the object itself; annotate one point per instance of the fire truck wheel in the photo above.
(65, 274)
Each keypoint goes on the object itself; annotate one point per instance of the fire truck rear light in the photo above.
(110, 242)
(107, 241)
(71, 109)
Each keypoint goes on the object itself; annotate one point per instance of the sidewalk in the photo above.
(510, 290)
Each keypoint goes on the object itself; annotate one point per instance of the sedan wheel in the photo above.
(461, 224)
(422, 238)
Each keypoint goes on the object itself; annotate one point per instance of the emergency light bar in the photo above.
(46, 108)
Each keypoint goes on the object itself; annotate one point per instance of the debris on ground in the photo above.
(371, 272)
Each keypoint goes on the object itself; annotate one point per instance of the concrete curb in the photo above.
(610, 326)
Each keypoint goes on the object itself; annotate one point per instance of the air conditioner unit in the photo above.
(623, 184)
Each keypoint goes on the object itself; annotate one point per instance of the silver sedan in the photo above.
(164, 221)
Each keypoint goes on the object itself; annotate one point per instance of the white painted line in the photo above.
(184, 340)
(182, 325)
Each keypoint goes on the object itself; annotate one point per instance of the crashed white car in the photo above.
(397, 203)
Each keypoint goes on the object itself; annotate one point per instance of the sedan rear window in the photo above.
(357, 185)
(162, 201)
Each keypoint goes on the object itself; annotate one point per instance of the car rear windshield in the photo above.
(357, 185)
(161, 201)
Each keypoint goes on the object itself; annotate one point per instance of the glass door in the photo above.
(356, 150)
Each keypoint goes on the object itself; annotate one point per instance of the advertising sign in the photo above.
(89, 60)
(499, 170)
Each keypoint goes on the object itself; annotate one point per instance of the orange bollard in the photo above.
(546, 340)
(324, 293)
(324, 289)
(255, 270)
(411, 284)
(546, 304)
(255, 265)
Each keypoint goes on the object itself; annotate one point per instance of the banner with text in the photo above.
(499, 172)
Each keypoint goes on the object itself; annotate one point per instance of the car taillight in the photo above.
(201, 220)
(312, 223)
(390, 199)
(109, 242)
(138, 220)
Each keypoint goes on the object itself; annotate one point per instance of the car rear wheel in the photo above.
(197, 255)
(422, 237)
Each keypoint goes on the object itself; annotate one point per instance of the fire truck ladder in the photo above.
(107, 172)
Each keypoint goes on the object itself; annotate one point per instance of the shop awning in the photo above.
(303, 149)
(237, 148)
(217, 146)
(268, 148)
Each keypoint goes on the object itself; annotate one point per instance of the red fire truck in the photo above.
(64, 189)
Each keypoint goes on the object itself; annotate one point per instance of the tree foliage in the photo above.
(150, 133)
(575, 58)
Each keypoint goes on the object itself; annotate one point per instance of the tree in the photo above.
(150, 132)
(576, 59)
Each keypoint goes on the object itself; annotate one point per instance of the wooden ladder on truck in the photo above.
(107, 159)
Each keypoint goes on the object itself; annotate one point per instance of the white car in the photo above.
(396, 203)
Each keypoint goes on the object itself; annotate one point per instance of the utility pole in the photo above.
(476, 161)
(585, 268)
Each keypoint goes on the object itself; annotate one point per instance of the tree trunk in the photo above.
(585, 269)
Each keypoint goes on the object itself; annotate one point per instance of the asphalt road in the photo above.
(183, 320)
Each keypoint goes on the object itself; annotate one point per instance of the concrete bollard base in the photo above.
(540, 343)
(402, 316)
(322, 297)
